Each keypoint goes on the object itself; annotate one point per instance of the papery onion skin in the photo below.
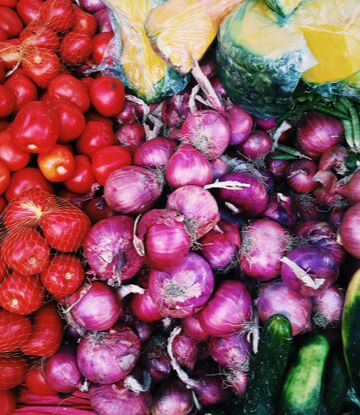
(258, 144)
(351, 190)
(184, 289)
(237, 380)
(328, 307)
(116, 400)
(154, 153)
(228, 311)
(108, 357)
(240, 123)
(264, 244)
(176, 109)
(232, 350)
(172, 398)
(349, 230)
(186, 350)
(192, 328)
(144, 308)
(188, 167)
(109, 249)
(198, 206)
(132, 189)
(95, 308)
(334, 159)
(252, 200)
(281, 209)
(277, 298)
(300, 176)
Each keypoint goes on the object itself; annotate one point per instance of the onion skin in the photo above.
(281, 209)
(258, 144)
(230, 351)
(335, 217)
(191, 326)
(103, 19)
(349, 230)
(172, 398)
(176, 109)
(91, 6)
(154, 153)
(265, 124)
(277, 298)
(228, 311)
(219, 168)
(210, 390)
(186, 350)
(240, 123)
(334, 159)
(328, 307)
(144, 308)
(155, 358)
(300, 176)
(351, 190)
(278, 168)
(131, 136)
(237, 380)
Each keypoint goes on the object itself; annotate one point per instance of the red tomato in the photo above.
(10, 154)
(42, 38)
(84, 22)
(64, 275)
(87, 82)
(4, 124)
(8, 3)
(83, 178)
(10, 53)
(2, 73)
(41, 65)
(17, 72)
(100, 42)
(97, 135)
(75, 48)
(36, 128)
(13, 370)
(97, 209)
(2, 207)
(4, 177)
(36, 383)
(65, 228)
(45, 339)
(3, 35)
(107, 94)
(24, 90)
(21, 294)
(72, 120)
(57, 14)
(67, 86)
(27, 179)
(14, 331)
(28, 10)
(7, 402)
(108, 159)
(25, 251)
(57, 165)
(10, 22)
(7, 101)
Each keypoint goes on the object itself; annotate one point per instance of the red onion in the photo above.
(154, 153)
(277, 298)
(144, 330)
(317, 132)
(237, 380)
(176, 109)
(334, 159)
(208, 131)
(103, 19)
(107, 357)
(210, 390)
(349, 231)
(278, 168)
(131, 136)
(309, 269)
(351, 190)
(219, 168)
(188, 166)
(268, 179)
(95, 307)
(233, 351)
(228, 311)
(91, 6)
(61, 370)
(184, 289)
(306, 207)
(109, 249)
(328, 307)
(218, 88)
(240, 123)
(116, 399)
(156, 361)
(186, 350)
(144, 308)
(251, 200)
(335, 216)
(281, 209)
(192, 328)
(266, 124)
(132, 189)
(162, 238)
(172, 398)
(129, 114)
(258, 144)
(300, 176)
(198, 206)
(220, 246)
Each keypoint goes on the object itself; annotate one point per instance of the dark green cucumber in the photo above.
(302, 391)
(267, 369)
(351, 330)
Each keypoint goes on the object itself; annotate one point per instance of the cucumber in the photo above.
(351, 330)
(302, 391)
(267, 369)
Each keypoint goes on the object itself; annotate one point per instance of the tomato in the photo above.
(97, 209)
(4, 124)
(7, 402)
(8, 3)
(36, 128)
(45, 339)
(41, 65)
(107, 94)
(10, 53)
(29, 10)
(36, 383)
(97, 135)
(10, 22)
(13, 370)
(67, 86)
(4, 177)
(75, 48)
(14, 331)
(7, 101)
(2, 207)
(3, 35)
(25, 251)
(72, 120)
(57, 14)
(21, 294)
(2, 73)
(100, 42)
(42, 38)
(64, 275)
(10, 154)
(84, 22)
(23, 89)
(83, 178)
(57, 165)
(26, 179)
(65, 228)
(108, 159)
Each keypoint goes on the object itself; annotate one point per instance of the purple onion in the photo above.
(144, 330)
(144, 308)
(172, 398)
(307, 208)
(231, 351)
(107, 357)
(184, 289)
(335, 216)
(334, 159)
(210, 390)
(219, 168)
(265, 124)
(176, 109)
(186, 350)
(278, 168)
(131, 135)
(218, 88)
(154, 153)
(156, 361)
(257, 144)
(237, 380)
(328, 307)
(300, 176)
(240, 123)
(192, 328)
(91, 6)
(103, 19)
(281, 209)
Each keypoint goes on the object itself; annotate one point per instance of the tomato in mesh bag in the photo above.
(14, 331)
(8, 402)
(12, 371)
(75, 48)
(57, 14)
(42, 38)
(36, 383)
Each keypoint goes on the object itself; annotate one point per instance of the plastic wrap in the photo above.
(283, 7)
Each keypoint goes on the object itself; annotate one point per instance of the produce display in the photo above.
(179, 207)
